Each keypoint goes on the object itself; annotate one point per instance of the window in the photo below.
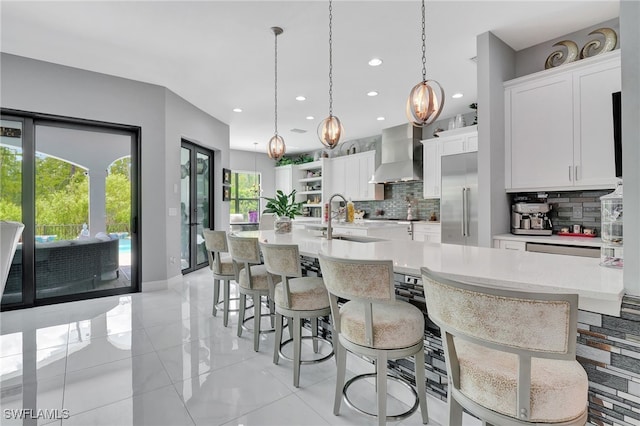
(245, 193)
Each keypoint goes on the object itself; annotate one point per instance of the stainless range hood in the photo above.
(401, 155)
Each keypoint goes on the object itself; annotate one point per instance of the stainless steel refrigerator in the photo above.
(459, 199)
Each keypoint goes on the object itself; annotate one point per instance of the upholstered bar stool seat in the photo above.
(558, 387)
(394, 325)
(307, 294)
(258, 280)
(221, 265)
(373, 324)
(253, 280)
(296, 297)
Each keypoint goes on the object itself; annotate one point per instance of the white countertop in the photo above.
(317, 224)
(600, 289)
(553, 239)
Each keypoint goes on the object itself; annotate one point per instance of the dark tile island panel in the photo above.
(570, 208)
(607, 347)
(397, 197)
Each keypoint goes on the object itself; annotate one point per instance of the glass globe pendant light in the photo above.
(426, 99)
(276, 147)
(330, 129)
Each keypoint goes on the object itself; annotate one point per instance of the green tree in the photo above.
(11, 176)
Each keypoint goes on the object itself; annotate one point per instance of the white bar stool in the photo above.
(296, 297)
(511, 355)
(253, 280)
(372, 323)
(221, 265)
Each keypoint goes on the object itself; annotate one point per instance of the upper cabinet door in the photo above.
(539, 133)
(431, 168)
(593, 154)
(284, 179)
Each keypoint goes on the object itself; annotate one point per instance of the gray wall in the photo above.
(38, 86)
(496, 64)
(532, 59)
(630, 35)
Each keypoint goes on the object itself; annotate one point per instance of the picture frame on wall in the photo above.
(226, 193)
(226, 177)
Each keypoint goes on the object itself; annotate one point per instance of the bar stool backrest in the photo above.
(216, 243)
(244, 249)
(368, 281)
(282, 260)
(543, 324)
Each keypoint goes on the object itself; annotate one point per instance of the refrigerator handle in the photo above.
(464, 211)
(466, 215)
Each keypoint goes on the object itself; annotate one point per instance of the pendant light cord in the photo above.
(424, 45)
(276, 85)
(330, 61)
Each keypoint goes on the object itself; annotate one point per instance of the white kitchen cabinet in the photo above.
(350, 176)
(431, 167)
(429, 232)
(284, 178)
(509, 245)
(559, 127)
(449, 142)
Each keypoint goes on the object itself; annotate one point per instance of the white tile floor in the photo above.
(159, 358)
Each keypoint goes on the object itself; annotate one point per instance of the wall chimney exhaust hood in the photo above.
(401, 155)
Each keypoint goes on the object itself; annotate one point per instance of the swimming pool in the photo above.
(124, 245)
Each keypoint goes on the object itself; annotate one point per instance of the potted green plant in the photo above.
(285, 208)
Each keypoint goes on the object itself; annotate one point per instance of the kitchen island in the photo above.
(608, 339)
(600, 289)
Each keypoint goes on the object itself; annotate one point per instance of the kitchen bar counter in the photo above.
(600, 289)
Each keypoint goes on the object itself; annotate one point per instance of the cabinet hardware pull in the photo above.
(569, 173)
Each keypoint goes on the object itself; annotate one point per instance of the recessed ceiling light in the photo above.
(374, 62)
(380, 118)
(310, 117)
(237, 110)
(300, 98)
(457, 95)
(372, 93)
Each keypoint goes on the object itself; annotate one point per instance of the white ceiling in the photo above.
(219, 55)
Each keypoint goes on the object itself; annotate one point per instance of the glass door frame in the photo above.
(30, 120)
(194, 150)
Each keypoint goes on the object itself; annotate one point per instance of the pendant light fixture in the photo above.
(426, 99)
(330, 129)
(276, 147)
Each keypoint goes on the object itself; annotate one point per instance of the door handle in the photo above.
(576, 173)
(569, 173)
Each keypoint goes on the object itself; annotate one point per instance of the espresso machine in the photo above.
(531, 219)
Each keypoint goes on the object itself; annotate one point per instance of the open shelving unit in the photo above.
(311, 183)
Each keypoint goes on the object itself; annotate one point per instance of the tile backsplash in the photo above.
(395, 202)
(574, 208)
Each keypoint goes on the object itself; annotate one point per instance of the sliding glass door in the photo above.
(195, 204)
(74, 185)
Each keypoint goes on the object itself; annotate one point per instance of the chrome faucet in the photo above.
(329, 229)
